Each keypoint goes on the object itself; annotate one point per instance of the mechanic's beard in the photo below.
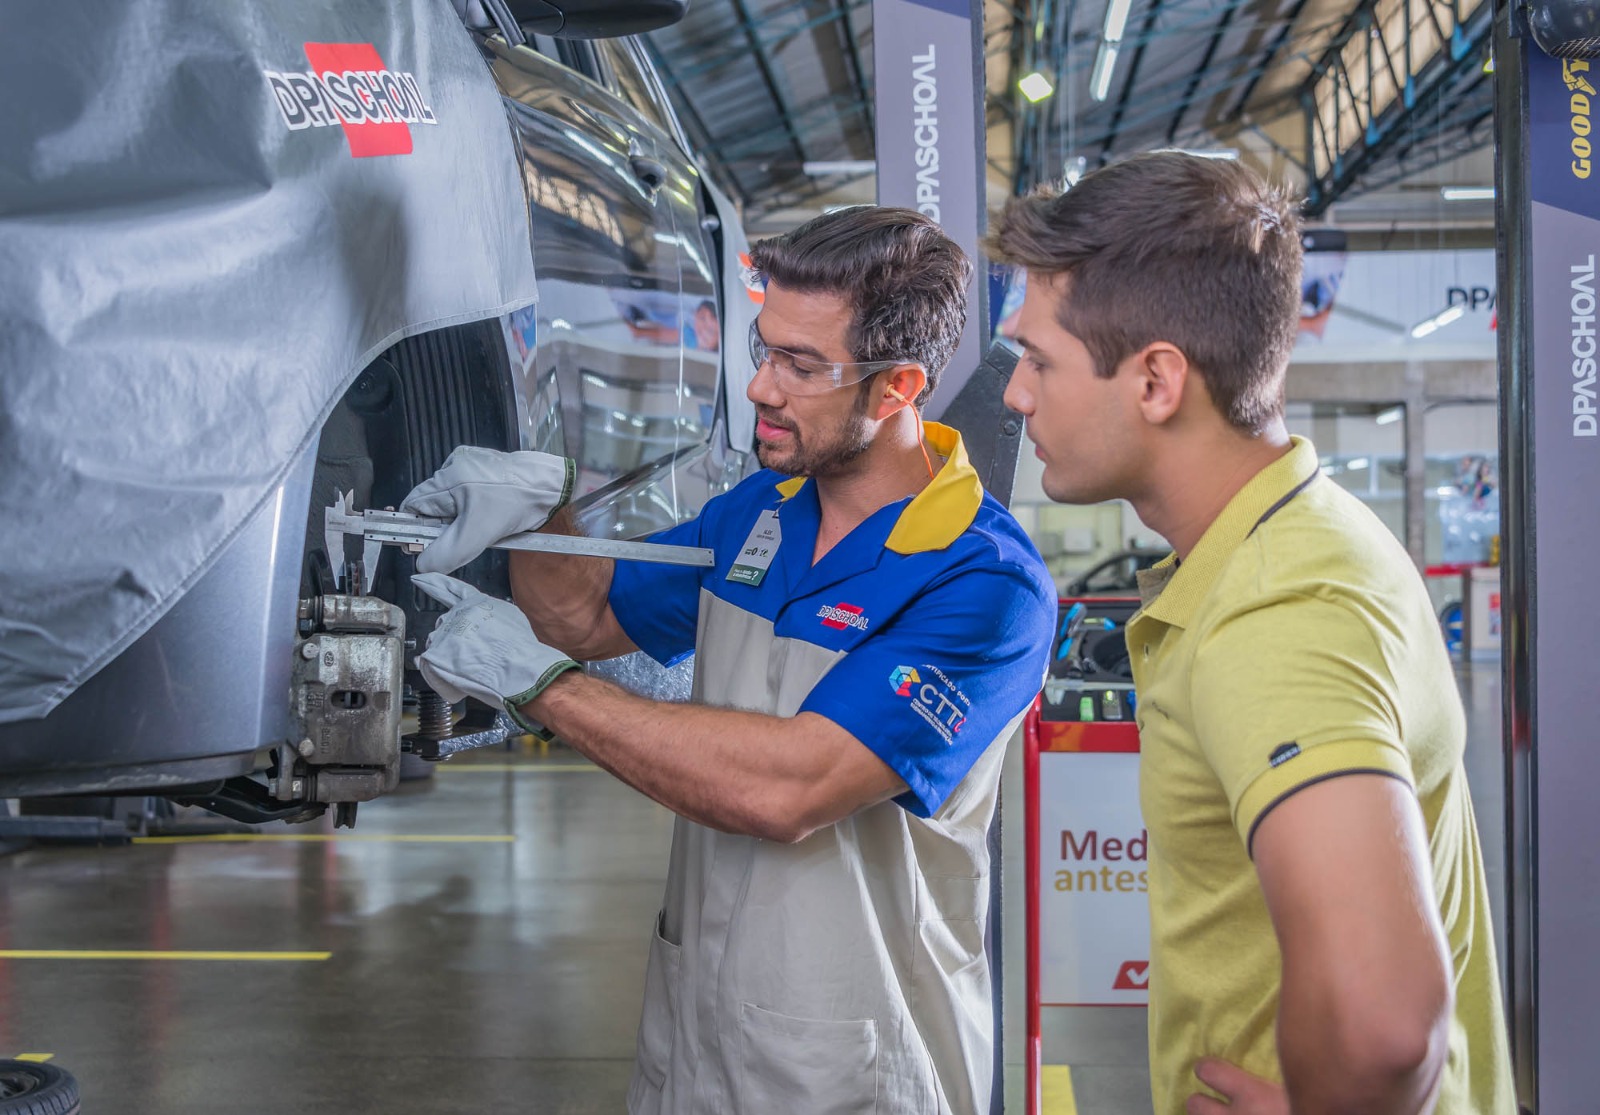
(824, 457)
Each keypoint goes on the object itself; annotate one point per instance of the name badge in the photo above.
(755, 558)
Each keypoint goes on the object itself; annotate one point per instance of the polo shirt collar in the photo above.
(941, 512)
(1174, 590)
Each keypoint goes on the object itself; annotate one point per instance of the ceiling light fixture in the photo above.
(817, 169)
(1105, 60)
(1389, 417)
(1467, 193)
(1036, 87)
(1437, 322)
(1116, 20)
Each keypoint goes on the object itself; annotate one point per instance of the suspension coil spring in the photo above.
(433, 716)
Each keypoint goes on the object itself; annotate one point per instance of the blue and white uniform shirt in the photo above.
(934, 614)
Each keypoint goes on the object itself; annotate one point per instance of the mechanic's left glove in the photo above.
(487, 495)
(485, 648)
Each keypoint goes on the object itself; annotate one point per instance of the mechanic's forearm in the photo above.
(740, 772)
(565, 598)
(1334, 1061)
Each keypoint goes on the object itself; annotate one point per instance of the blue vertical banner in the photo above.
(1563, 183)
(928, 74)
(928, 104)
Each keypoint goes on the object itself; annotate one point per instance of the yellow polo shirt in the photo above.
(1295, 643)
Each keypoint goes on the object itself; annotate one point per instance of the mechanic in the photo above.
(1321, 934)
(870, 637)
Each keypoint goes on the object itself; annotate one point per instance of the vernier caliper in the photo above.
(411, 533)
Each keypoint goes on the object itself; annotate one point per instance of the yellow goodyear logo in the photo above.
(1572, 72)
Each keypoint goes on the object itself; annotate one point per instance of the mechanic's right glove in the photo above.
(485, 648)
(488, 495)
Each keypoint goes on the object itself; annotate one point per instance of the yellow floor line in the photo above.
(36, 1058)
(153, 954)
(531, 768)
(1055, 1087)
(325, 838)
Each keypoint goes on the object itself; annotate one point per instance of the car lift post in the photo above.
(928, 106)
(928, 98)
(1548, 230)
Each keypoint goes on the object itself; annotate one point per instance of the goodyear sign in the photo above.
(1565, 209)
(1575, 75)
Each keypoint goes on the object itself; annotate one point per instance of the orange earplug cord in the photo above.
(926, 460)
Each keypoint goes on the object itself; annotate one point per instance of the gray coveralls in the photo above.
(845, 973)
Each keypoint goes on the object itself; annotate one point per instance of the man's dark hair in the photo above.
(905, 280)
(1166, 246)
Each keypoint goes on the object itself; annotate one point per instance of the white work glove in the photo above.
(484, 648)
(488, 495)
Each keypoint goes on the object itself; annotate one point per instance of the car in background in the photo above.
(268, 691)
(1114, 576)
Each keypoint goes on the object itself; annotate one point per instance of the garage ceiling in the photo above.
(765, 86)
(1347, 100)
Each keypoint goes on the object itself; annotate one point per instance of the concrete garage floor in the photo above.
(498, 974)
(485, 934)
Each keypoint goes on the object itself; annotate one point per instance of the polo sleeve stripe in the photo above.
(1315, 764)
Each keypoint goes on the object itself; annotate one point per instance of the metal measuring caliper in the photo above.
(411, 533)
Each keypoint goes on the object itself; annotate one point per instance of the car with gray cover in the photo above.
(286, 252)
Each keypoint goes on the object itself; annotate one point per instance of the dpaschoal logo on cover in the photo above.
(937, 700)
(350, 86)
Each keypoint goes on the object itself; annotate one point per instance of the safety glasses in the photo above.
(806, 375)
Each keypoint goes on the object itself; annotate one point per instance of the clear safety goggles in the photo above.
(806, 375)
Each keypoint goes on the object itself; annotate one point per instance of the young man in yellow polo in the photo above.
(1320, 925)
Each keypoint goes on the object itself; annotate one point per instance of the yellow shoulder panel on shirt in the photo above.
(943, 510)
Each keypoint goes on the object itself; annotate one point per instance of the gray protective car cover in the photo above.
(211, 217)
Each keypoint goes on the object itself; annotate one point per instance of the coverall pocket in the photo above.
(807, 1066)
(656, 1025)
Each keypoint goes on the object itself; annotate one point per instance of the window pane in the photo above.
(630, 82)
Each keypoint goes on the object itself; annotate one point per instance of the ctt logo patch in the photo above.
(349, 85)
(935, 697)
(840, 616)
(1134, 975)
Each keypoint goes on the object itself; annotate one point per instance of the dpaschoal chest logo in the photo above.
(841, 616)
(350, 86)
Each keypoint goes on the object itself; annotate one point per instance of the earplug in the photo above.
(891, 390)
